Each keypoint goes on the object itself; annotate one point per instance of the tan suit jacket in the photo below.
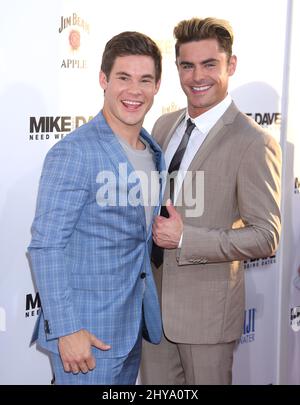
(202, 290)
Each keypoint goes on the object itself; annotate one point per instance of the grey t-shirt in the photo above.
(143, 162)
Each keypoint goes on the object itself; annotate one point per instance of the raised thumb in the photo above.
(170, 208)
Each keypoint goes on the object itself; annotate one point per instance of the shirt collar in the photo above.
(207, 120)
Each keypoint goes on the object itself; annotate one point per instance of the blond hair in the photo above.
(197, 29)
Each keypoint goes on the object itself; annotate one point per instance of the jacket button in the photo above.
(143, 275)
(46, 327)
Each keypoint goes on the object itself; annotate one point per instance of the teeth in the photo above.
(200, 88)
(132, 102)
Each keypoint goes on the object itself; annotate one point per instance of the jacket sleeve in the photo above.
(258, 199)
(63, 192)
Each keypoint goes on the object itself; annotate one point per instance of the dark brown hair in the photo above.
(130, 43)
(197, 29)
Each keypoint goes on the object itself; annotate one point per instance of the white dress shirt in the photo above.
(204, 124)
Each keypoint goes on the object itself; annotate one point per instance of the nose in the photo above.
(134, 87)
(198, 74)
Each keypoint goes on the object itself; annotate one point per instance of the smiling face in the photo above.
(129, 92)
(204, 71)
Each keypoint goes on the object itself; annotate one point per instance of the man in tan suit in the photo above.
(236, 216)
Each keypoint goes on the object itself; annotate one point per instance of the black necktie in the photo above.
(158, 252)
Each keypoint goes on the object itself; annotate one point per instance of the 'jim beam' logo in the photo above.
(74, 29)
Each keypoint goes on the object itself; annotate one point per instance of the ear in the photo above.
(232, 65)
(103, 80)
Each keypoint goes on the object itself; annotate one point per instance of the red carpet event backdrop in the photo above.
(50, 56)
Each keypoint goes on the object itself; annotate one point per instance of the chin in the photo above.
(133, 122)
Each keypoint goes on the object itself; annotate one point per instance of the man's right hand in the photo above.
(75, 351)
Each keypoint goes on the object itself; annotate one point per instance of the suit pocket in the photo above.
(94, 282)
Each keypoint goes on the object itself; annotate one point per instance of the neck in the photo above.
(195, 112)
(129, 133)
(134, 142)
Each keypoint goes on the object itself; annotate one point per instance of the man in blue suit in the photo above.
(99, 190)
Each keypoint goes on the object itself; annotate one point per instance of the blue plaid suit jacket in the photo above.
(87, 257)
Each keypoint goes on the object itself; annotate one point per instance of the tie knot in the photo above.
(189, 127)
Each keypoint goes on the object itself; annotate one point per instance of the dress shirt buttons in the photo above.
(143, 275)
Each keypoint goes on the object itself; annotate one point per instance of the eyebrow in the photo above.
(184, 62)
(146, 76)
(122, 73)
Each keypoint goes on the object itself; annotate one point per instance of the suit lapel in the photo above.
(160, 167)
(213, 137)
(210, 143)
(116, 154)
(173, 129)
